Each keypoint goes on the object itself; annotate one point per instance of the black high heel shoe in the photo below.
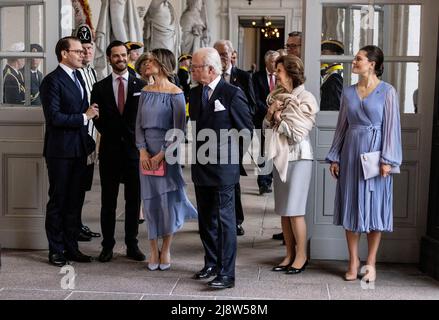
(292, 270)
(281, 267)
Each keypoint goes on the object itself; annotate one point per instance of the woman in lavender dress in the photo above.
(368, 121)
(165, 204)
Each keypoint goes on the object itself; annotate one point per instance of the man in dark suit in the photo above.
(117, 97)
(36, 77)
(263, 82)
(66, 146)
(243, 80)
(217, 107)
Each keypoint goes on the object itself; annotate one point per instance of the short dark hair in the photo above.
(37, 47)
(63, 44)
(115, 43)
(375, 54)
(295, 34)
(294, 67)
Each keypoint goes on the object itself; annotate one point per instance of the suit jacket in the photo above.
(66, 135)
(35, 81)
(262, 89)
(235, 116)
(243, 79)
(117, 131)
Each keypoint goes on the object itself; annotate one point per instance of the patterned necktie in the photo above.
(271, 81)
(121, 95)
(205, 97)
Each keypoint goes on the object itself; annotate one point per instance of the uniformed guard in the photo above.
(89, 75)
(133, 55)
(13, 80)
(331, 77)
(36, 76)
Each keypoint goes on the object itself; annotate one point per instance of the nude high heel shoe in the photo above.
(350, 276)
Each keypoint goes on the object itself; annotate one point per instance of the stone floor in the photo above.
(27, 275)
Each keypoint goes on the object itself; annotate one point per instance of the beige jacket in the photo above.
(289, 139)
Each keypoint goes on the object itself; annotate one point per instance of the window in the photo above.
(394, 28)
(22, 52)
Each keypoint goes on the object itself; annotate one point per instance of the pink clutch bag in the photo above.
(160, 172)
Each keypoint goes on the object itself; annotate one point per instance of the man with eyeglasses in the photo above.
(66, 146)
(294, 43)
(215, 105)
(243, 80)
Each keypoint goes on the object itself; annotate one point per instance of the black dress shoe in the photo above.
(58, 259)
(78, 256)
(278, 236)
(84, 236)
(106, 255)
(239, 230)
(136, 254)
(221, 282)
(292, 270)
(86, 230)
(205, 273)
(265, 189)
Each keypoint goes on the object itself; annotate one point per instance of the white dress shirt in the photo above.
(70, 71)
(228, 73)
(213, 85)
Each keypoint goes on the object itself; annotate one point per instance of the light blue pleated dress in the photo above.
(364, 125)
(165, 203)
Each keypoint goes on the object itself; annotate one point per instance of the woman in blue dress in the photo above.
(165, 203)
(368, 121)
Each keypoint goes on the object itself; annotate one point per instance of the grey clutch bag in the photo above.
(370, 162)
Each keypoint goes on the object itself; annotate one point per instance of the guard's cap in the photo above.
(333, 45)
(84, 34)
(184, 57)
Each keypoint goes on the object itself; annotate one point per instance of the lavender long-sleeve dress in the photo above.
(364, 125)
(165, 203)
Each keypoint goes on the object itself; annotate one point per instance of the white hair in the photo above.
(226, 43)
(269, 54)
(211, 58)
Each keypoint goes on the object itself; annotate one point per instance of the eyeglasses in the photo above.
(292, 46)
(78, 52)
(195, 66)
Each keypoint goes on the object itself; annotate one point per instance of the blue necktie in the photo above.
(78, 84)
(205, 97)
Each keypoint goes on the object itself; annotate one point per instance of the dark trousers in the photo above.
(217, 225)
(113, 172)
(263, 179)
(238, 205)
(64, 205)
(87, 184)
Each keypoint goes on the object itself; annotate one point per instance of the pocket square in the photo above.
(136, 94)
(218, 106)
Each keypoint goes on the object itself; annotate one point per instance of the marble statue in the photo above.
(193, 21)
(161, 28)
(118, 20)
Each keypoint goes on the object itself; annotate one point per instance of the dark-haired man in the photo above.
(66, 146)
(118, 97)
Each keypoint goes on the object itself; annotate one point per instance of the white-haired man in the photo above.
(220, 107)
(243, 80)
(13, 79)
